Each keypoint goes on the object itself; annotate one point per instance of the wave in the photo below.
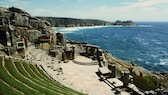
(132, 26)
(162, 62)
(73, 29)
(144, 26)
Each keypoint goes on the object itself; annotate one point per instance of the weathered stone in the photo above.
(17, 10)
(16, 23)
(18, 19)
(125, 23)
(34, 34)
(34, 23)
(61, 39)
(2, 46)
(139, 71)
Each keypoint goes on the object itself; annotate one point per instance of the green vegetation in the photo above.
(6, 77)
(22, 78)
(145, 83)
(118, 73)
(71, 22)
(9, 66)
(7, 90)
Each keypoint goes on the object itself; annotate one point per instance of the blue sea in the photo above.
(145, 44)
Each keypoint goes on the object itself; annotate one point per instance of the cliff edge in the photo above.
(19, 30)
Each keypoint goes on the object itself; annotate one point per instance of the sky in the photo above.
(109, 10)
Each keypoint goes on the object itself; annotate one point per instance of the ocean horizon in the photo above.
(145, 44)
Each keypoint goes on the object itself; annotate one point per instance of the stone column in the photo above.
(125, 78)
(73, 52)
(112, 68)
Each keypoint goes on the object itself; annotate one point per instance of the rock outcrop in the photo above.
(124, 23)
(72, 22)
(17, 24)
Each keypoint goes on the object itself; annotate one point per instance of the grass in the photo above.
(18, 78)
(9, 66)
(8, 90)
(4, 75)
(41, 82)
(145, 83)
(50, 82)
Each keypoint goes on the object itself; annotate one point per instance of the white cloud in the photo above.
(15, 3)
(142, 10)
(145, 3)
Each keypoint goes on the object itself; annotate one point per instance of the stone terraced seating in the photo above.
(19, 78)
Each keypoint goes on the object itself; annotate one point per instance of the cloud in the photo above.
(15, 3)
(145, 3)
(142, 10)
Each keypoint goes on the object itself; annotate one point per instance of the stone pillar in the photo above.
(112, 68)
(99, 56)
(61, 39)
(87, 53)
(73, 52)
(63, 56)
(125, 78)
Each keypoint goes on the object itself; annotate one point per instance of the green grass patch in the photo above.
(7, 90)
(21, 69)
(44, 79)
(36, 86)
(41, 72)
(28, 79)
(14, 83)
(51, 82)
(145, 83)
(31, 73)
(42, 82)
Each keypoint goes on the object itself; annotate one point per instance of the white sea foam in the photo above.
(73, 29)
(131, 26)
(144, 26)
(162, 62)
(139, 59)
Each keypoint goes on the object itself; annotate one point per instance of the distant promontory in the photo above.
(73, 22)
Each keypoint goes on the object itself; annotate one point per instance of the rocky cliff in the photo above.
(16, 25)
(124, 23)
(72, 22)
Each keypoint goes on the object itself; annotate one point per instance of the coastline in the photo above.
(73, 29)
(138, 40)
(77, 28)
(133, 67)
(68, 62)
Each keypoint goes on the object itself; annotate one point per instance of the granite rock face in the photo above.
(19, 18)
(124, 23)
(17, 24)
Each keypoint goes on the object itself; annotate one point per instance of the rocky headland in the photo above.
(33, 40)
(73, 22)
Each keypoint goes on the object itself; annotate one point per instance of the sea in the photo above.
(145, 44)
